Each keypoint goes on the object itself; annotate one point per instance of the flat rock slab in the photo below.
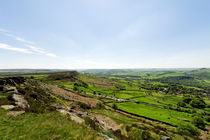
(15, 113)
(7, 107)
(77, 119)
(20, 101)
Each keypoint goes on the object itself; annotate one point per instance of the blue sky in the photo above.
(104, 34)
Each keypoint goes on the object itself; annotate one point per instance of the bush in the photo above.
(182, 104)
(84, 105)
(207, 118)
(188, 129)
(187, 100)
(100, 105)
(198, 122)
(91, 123)
(135, 134)
(114, 106)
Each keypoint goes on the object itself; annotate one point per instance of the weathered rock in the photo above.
(73, 116)
(64, 112)
(15, 113)
(20, 101)
(104, 125)
(165, 138)
(10, 89)
(77, 119)
(105, 137)
(7, 107)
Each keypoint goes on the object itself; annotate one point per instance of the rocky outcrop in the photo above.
(20, 101)
(12, 81)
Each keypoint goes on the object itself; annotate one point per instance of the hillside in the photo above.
(122, 105)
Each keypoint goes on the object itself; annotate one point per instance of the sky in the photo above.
(89, 34)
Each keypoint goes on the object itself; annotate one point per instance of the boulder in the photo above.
(77, 119)
(10, 89)
(165, 138)
(7, 107)
(15, 113)
(20, 101)
(105, 137)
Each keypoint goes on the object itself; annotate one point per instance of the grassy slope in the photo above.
(42, 127)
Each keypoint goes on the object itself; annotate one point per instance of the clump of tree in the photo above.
(193, 101)
(188, 129)
(197, 103)
(120, 87)
(198, 122)
(77, 86)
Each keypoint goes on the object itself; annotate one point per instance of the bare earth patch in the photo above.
(108, 121)
(71, 96)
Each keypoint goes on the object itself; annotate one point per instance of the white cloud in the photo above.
(11, 48)
(31, 45)
(40, 51)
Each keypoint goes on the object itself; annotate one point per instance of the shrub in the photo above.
(207, 118)
(91, 123)
(182, 104)
(198, 122)
(187, 100)
(100, 105)
(135, 134)
(188, 129)
(114, 106)
(84, 105)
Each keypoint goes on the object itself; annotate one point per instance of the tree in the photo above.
(197, 103)
(198, 122)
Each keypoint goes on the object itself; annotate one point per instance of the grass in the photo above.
(165, 115)
(43, 127)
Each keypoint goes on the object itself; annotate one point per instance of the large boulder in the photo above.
(20, 101)
(7, 107)
(10, 89)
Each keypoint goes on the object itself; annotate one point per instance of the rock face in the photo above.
(20, 101)
(7, 107)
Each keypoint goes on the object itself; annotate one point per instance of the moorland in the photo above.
(106, 104)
